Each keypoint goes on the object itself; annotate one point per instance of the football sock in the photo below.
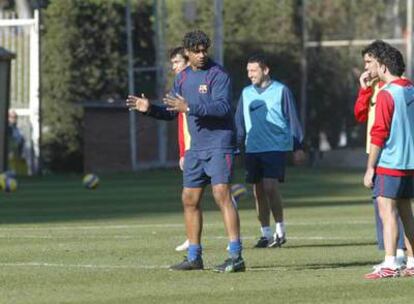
(400, 253)
(194, 252)
(389, 261)
(266, 232)
(410, 262)
(280, 229)
(235, 248)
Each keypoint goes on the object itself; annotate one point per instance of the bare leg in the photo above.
(271, 189)
(192, 213)
(221, 193)
(235, 263)
(388, 212)
(406, 215)
(262, 204)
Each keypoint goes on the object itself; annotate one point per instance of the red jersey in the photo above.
(183, 134)
(380, 131)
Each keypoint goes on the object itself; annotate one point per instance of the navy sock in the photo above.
(235, 248)
(194, 252)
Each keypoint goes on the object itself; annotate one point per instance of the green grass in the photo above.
(61, 243)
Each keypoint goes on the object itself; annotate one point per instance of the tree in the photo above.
(83, 59)
(267, 26)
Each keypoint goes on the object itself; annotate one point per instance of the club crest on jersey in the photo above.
(202, 89)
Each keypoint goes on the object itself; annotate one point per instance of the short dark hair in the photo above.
(259, 58)
(178, 51)
(387, 55)
(192, 40)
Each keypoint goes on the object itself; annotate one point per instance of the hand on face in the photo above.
(365, 80)
(370, 75)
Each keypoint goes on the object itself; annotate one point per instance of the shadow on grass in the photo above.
(328, 245)
(336, 265)
(326, 204)
(91, 209)
(312, 266)
(153, 193)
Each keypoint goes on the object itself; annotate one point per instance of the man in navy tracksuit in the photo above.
(203, 92)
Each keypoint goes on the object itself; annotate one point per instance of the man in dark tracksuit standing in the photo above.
(203, 92)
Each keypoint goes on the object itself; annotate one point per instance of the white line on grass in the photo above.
(48, 237)
(106, 227)
(169, 225)
(321, 238)
(92, 266)
(223, 237)
(142, 267)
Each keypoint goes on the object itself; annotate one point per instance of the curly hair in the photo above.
(375, 48)
(192, 40)
(387, 55)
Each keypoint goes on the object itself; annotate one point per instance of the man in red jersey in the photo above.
(390, 167)
(365, 112)
(179, 62)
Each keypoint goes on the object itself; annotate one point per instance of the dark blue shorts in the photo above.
(265, 165)
(205, 167)
(395, 187)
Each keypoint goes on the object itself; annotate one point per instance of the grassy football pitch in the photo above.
(61, 243)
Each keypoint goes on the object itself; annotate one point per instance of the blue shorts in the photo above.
(265, 165)
(395, 187)
(205, 167)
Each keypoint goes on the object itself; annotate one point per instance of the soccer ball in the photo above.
(90, 181)
(238, 191)
(8, 183)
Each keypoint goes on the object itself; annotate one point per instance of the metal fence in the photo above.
(21, 37)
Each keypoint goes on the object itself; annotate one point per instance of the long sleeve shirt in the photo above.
(209, 119)
(288, 111)
(380, 131)
(364, 109)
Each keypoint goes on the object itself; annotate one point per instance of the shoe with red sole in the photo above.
(382, 273)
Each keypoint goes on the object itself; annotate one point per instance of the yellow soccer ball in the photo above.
(90, 181)
(238, 191)
(7, 183)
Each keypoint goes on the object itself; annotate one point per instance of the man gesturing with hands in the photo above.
(203, 92)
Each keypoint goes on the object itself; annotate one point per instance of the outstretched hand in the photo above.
(175, 103)
(140, 104)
